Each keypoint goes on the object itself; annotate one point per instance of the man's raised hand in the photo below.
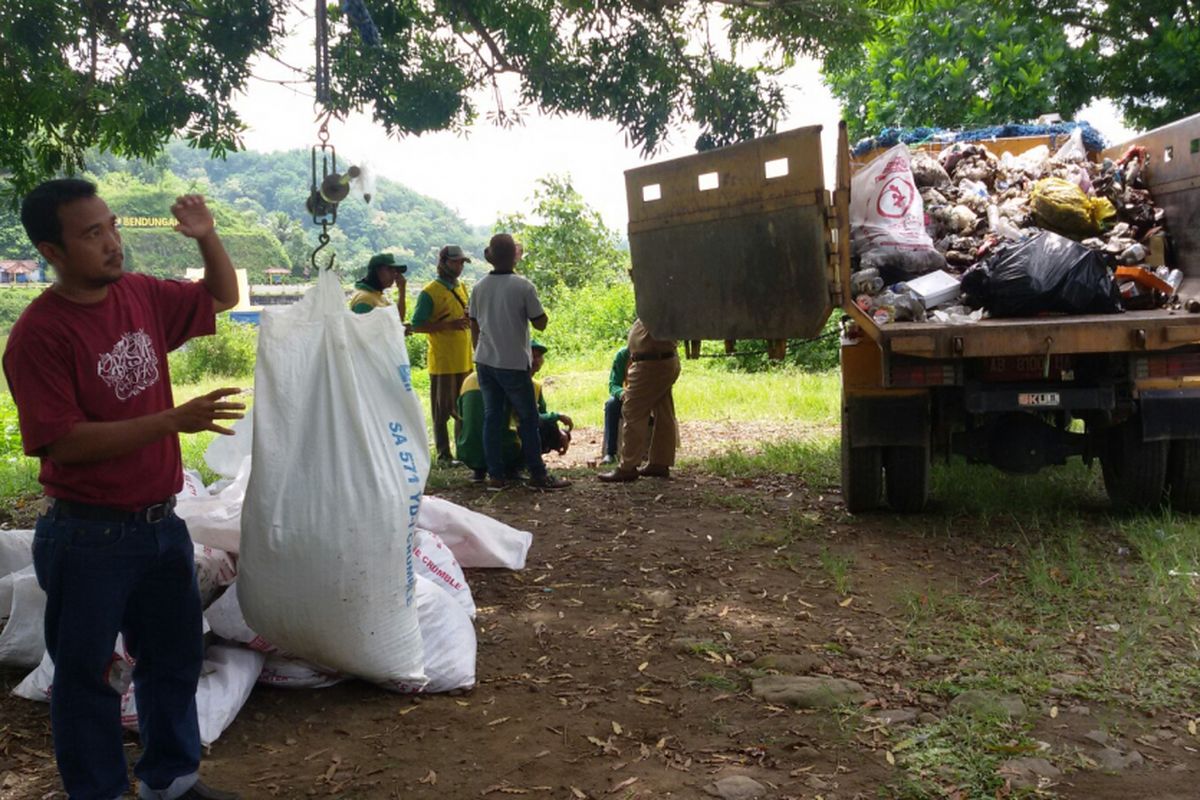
(201, 413)
(195, 219)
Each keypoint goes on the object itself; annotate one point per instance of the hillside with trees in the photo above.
(258, 199)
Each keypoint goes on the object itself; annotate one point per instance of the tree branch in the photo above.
(478, 26)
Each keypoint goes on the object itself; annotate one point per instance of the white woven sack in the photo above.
(886, 210)
(340, 458)
(476, 539)
(436, 562)
(22, 615)
(449, 639)
(16, 551)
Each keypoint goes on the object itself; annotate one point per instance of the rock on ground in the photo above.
(808, 691)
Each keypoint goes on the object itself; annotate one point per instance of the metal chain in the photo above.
(322, 64)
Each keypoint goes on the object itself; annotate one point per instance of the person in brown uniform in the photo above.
(653, 370)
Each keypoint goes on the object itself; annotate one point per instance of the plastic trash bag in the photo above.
(1045, 273)
(1061, 206)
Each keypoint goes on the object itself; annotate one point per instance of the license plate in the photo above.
(1038, 399)
(1025, 368)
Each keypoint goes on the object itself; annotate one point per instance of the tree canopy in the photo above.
(948, 63)
(127, 75)
(567, 245)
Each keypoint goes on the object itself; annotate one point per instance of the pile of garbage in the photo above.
(948, 236)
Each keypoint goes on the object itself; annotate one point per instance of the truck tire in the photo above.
(1183, 475)
(1135, 472)
(907, 470)
(862, 474)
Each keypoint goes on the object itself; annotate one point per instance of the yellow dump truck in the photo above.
(747, 242)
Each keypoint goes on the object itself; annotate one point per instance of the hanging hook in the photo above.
(323, 238)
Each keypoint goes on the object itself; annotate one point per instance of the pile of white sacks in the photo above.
(238, 657)
(342, 566)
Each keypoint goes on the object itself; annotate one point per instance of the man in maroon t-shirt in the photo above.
(87, 367)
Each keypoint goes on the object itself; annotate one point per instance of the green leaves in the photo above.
(951, 63)
(127, 75)
(567, 245)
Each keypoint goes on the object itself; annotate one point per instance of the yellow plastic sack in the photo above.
(1062, 206)
(1103, 212)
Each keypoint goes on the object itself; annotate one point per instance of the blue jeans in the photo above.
(506, 391)
(137, 579)
(612, 425)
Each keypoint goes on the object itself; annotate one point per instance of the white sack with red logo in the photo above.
(887, 218)
(340, 457)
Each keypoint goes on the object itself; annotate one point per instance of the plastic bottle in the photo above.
(866, 281)
(1175, 279)
(1134, 254)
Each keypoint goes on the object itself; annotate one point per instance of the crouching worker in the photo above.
(470, 440)
(87, 367)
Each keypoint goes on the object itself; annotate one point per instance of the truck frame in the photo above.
(746, 242)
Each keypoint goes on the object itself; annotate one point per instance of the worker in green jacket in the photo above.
(469, 444)
(612, 406)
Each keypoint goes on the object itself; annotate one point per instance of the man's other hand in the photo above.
(201, 413)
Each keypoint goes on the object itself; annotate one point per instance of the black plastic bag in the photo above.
(1045, 272)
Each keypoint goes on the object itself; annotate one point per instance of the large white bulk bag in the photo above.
(340, 458)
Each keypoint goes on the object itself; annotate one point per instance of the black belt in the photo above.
(151, 514)
(651, 356)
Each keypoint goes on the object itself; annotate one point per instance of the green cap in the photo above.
(385, 260)
(534, 344)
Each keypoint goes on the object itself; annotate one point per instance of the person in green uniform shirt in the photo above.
(612, 406)
(382, 273)
(441, 313)
(470, 439)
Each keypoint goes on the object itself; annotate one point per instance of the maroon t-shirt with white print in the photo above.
(68, 363)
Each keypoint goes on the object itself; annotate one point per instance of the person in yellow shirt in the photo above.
(441, 313)
(382, 273)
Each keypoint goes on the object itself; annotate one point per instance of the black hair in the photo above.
(39, 209)
(501, 252)
(372, 277)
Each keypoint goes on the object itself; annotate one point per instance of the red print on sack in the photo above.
(895, 197)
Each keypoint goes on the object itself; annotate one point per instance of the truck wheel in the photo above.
(1183, 475)
(907, 470)
(862, 474)
(1135, 472)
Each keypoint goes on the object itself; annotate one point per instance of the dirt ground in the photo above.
(618, 665)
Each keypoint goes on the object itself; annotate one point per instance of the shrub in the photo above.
(816, 355)
(10, 431)
(13, 300)
(418, 350)
(230, 353)
(589, 319)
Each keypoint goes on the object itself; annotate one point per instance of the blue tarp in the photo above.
(1093, 140)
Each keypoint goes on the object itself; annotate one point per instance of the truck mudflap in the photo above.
(1169, 414)
(884, 421)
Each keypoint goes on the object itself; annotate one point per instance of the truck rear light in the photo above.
(923, 373)
(1167, 365)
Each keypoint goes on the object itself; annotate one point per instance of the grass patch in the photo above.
(817, 461)
(1109, 601)
(958, 756)
(721, 683)
(959, 488)
(837, 566)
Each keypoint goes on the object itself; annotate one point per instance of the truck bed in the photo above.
(1149, 330)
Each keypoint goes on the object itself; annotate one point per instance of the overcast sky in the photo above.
(492, 171)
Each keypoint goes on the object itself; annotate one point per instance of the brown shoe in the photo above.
(618, 476)
(655, 471)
